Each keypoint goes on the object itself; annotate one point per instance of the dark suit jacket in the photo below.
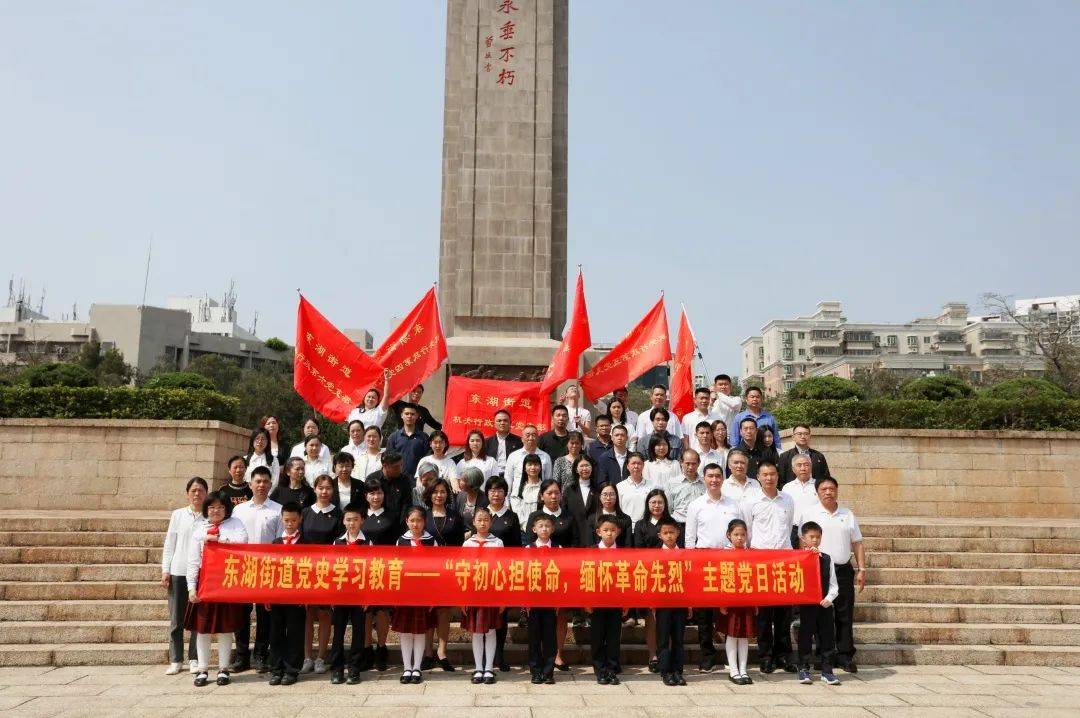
(357, 494)
(609, 468)
(491, 445)
(573, 504)
(819, 467)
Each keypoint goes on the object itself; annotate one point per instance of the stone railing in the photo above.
(110, 463)
(961, 474)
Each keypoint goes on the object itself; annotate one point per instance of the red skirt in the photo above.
(737, 623)
(482, 620)
(412, 619)
(211, 617)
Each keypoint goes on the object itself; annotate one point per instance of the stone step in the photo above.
(913, 528)
(79, 590)
(970, 634)
(75, 572)
(96, 521)
(85, 610)
(871, 613)
(910, 559)
(79, 554)
(140, 539)
(1068, 596)
(988, 545)
(974, 576)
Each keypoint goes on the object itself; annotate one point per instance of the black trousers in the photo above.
(705, 618)
(817, 623)
(605, 632)
(500, 638)
(342, 617)
(670, 627)
(542, 640)
(286, 639)
(262, 634)
(844, 610)
(774, 634)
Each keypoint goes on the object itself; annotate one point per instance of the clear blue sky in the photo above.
(748, 158)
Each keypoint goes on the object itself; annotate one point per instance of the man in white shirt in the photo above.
(707, 519)
(768, 517)
(658, 400)
(738, 486)
(700, 413)
(841, 539)
(689, 487)
(803, 491)
(633, 489)
(529, 440)
(724, 405)
(261, 517)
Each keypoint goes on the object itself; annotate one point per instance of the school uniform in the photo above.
(818, 622)
(236, 495)
(322, 526)
(625, 529)
(670, 628)
(605, 632)
(564, 530)
(739, 621)
(481, 619)
(413, 619)
(542, 646)
(380, 527)
(211, 617)
(342, 616)
(287, 627)
(505, 527)
(303, 496)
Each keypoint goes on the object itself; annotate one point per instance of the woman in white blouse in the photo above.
(580, 417)
(207, 618)
(369, 460)
(477, 458)
(311, 428)
(174, 572)
(314, 463)
(447, 468)
(277, 445)
(373, 411)
(661, 468)
(617, 411)
(260, 454)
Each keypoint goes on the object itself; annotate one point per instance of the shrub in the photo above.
(179, 380)
(61, 402)
(977, 413)
(825, 387)
(277, 345)
(936, 388)
(59, 374)
(1023, 388)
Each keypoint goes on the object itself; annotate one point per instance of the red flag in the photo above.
(415, 349)
(472, 403)
(682, 369)
(643, 348)
(329, 371)
(564, 365)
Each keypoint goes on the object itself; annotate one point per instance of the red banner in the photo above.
(564, 365)
(329, 371)
(393, 576)
(472, 403)
(682, 369)
(645, 346)
(415, 349)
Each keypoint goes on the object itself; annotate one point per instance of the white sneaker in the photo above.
(308, 666)
(193, 667)
(320, 666)
(173, 669)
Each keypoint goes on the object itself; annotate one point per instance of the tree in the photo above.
(112, 370)
(825, 387)
(268, 391)
(179, 380)
(275, 344)
(1025, 389)
(57, 374)
(1049, 338)
(936, 388)
(225, 373)
(877, 382)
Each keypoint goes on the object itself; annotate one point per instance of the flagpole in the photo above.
(697, 349)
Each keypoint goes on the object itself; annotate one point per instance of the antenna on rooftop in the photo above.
(146, 278)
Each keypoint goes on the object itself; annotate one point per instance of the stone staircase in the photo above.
(84, 590)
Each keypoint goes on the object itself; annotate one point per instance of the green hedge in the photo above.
(1058, 415)
(60, 402)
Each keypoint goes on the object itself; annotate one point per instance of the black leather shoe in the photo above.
(679, 679)
(668, 679)
(489, 678)
(789, 667)
(536, 679)
(706, 665)
(850, 667)
(417, 677)
(260, 665)
(382, 654)
(503, 666)
(223, 678)
(427, 663)
(275, 680)
(654, 666)
(549, 679)
(768, 667)
(477, 677)
(406, 677)
(444, 663)
(353, 679)
(240, 665)
(201, 679)
(602, 679)
(737, 680)
(613, 679)
(337, 677)
(288, 680)
(564, 667)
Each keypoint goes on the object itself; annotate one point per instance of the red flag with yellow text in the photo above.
(645, 346)
(564, 365)
(415, 349)
(472, 403)
(329, 371)
(682, 369)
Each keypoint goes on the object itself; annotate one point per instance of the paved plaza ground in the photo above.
(899, 692)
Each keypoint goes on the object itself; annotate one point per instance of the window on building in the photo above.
(913, 341)
(802, 352)
(788, 354)
(926, 340)
(789, 385)
(802, 335)
(891, 340)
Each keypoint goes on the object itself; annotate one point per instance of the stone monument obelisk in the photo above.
(502, 249)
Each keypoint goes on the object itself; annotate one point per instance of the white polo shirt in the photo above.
(804, 494)
(838, 531)
(740, 492)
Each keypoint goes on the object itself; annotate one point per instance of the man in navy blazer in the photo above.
(613, 461)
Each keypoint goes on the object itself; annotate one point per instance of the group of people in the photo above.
(714, 478)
